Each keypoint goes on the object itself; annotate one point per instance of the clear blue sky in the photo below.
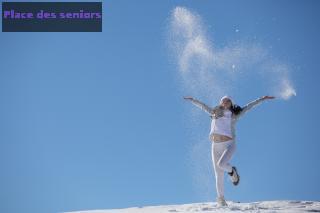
(96, 120)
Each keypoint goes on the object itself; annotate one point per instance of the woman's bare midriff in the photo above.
(220, 138)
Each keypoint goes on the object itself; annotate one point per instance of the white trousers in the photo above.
(221, 155)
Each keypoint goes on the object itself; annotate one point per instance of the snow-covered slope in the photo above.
(263, 207)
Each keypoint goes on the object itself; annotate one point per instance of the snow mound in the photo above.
(210, 207)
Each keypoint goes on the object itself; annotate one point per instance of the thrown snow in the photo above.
(211, 70)
(210, 207)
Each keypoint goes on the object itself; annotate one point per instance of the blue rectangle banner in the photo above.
(51, 16)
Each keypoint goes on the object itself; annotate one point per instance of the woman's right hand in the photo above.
(268, 97)
(188, 98)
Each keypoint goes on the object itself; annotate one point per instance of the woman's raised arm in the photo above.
(199, 104)
(250, 105)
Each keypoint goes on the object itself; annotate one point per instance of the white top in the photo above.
(225, 125)
(222, 125)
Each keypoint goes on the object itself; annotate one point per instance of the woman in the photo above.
(222, 134)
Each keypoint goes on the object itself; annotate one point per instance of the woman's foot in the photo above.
(221, 202)
(235, 178)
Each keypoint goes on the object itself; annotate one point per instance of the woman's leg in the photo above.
(221, 154)
(219, 173)
(226, 156)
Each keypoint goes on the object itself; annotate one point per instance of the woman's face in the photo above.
(226, 103)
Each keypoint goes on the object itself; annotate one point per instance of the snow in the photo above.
(291, 206)
(209, 69)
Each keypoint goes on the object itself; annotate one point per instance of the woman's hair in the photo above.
(235, 109)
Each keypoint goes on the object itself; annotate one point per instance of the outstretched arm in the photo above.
(250, 105)
(199, 104)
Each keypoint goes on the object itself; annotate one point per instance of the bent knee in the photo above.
(221, 164)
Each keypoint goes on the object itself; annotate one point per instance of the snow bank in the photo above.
(210, 207)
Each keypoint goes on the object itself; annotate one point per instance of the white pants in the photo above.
(221, 155)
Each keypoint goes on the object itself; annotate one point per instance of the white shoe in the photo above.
(221, 201)
(235, 178)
